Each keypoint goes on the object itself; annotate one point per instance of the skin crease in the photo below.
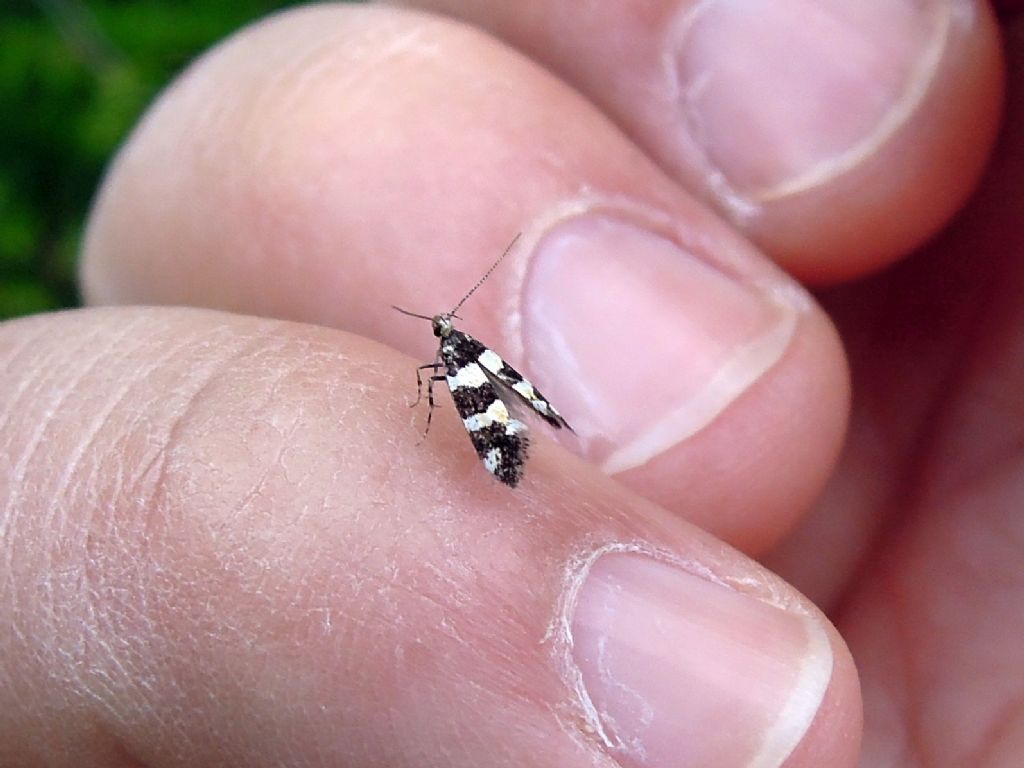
(214, 523)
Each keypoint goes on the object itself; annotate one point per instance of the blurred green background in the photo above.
(74, 78)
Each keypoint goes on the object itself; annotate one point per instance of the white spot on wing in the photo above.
(467, 376)
(492, 460)
(491, 360)
(525, 389)
(496, 413)
(514, 427)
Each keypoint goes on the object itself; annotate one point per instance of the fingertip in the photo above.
(767, 679)
(716, 388)
(834, 737)
(909, 182)
(837, 136)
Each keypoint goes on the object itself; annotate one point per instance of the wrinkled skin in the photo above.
(223, 544)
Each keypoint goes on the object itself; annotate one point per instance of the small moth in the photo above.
(486, 391)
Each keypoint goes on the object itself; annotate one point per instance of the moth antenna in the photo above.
(411, 314)
(486, 274)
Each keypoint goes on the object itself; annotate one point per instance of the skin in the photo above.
(223, 545)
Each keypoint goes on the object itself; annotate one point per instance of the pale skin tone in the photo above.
(223, 545)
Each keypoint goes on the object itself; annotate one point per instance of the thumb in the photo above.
(223, 547)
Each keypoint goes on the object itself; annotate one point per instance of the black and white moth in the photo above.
(486, 391)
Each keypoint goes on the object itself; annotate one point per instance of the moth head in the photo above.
(442, 326)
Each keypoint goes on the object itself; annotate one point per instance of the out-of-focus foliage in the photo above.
(74, 77)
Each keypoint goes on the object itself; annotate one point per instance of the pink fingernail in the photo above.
(678, 670)
(785, 94)
(640, 342)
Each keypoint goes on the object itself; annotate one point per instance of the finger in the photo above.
(906, 368)
(264, 182)
(223, 548)
(836, 135)
(937, 622)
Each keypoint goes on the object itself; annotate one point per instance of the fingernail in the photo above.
(782, 95)
(639, 342)
(677, 670)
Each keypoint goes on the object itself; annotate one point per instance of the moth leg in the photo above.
(419, 380)
(430, 400)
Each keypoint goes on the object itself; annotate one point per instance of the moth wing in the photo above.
(502, 450)
(500, 440)
(515, 388)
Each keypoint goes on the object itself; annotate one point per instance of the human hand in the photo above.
(225, 546)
